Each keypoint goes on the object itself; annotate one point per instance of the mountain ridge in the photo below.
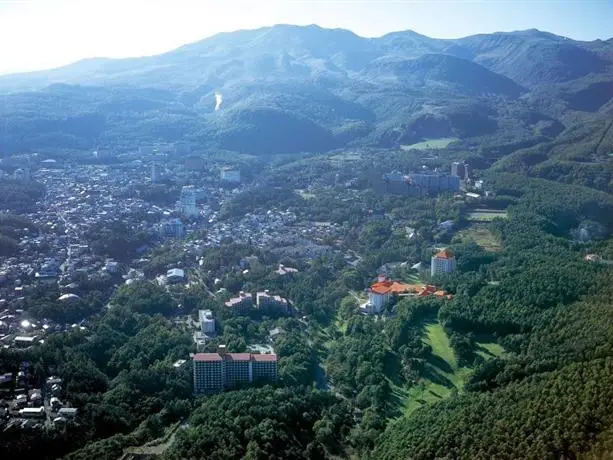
(319, 82)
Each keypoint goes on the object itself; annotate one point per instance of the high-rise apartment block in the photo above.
(240, 305)
(419, 184)
(271, 303)
(155, 173)
(461, 170)
(231, 175)
(172, 228)
(442, 262)
(187, 202)
(207, 322)
(218, 371)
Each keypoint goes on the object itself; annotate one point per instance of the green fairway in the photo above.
(438, 340)
(488, 350)
(486, 215)
(442, 375)
(480, 235)
(430, 144)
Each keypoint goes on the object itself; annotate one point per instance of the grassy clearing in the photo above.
(481, 236)
(304, 194)
(486, 215)
(488, 350)
(359, 296)
(430, 144)
(346, 156)
(441, 347)
(413, 278)
(442, 375)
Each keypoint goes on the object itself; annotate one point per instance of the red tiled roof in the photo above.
(238, 356)
(264, 358)
(380, 288)
(207, 357)
(393, 287)
(444, 254)
(399, 288)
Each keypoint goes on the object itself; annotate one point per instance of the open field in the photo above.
(481, 236)
(486, 215)
(489, 350)
(430, 144)
(442, 375)
(304, 194)
(413, 279)
(441, 347)
(345, 156)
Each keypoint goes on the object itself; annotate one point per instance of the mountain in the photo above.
(289, 89)
(531, 57)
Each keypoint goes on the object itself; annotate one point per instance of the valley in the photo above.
(297, 242)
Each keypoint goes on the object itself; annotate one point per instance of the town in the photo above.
(98, 224)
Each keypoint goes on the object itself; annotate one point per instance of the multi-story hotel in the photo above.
(442, 262)
(271, 303)
(209, 372)
(240, 305)
(264, 368)
(207, 322)
(218, 371)
(380, 293)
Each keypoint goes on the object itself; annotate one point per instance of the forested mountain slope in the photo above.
(549, 396)
(312, 89)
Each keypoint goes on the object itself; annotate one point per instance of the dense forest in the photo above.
(550, 395)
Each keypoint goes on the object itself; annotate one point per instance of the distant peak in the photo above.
(405, 33)
(534, 33)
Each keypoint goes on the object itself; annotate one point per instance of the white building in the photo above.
(187, 202)
(207, 322)
(382, 292)
(32, 412)
(442, 262)
(22, 174)
(111, 266)
(231, 175)
(68, 412)
(175, 275)
(155, 174)
(379, 295)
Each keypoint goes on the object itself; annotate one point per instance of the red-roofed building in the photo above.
(264, 367)
(208, 372)
(216, 371)
(382, 291)
(205, 357)
(442, 262)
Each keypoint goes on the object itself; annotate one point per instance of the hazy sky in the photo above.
(37, 34)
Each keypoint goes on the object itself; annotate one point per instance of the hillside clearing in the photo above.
(481, 236)
(430, 144)
(488, 350)
(442, 375)
(486, 215)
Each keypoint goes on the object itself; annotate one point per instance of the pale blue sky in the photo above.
(37, 34)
